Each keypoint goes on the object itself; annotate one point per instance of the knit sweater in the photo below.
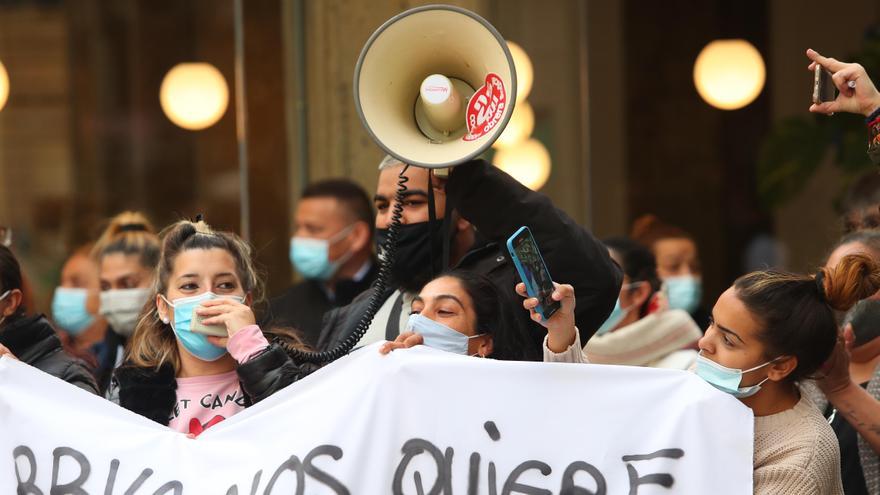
(796, 452)
(651, 341)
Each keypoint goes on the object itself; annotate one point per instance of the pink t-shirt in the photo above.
(203, 401)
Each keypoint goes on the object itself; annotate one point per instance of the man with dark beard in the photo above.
(488, 206)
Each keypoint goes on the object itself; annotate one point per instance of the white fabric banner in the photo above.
(418, 421)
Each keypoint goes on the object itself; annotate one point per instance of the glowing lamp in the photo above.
(528, 162)
(194, 95)
(520, 127)
(524, 72)
(4, 86)
(729, 74)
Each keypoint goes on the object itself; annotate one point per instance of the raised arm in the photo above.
(497, 205)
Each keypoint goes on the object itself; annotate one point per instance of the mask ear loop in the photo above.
(164, 319)
(477, 354)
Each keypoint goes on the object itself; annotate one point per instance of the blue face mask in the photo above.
(438, 335)
(618, 313)
(727, 379)
(69, 310)
(311, 257)
(684, 292)
(195, 343)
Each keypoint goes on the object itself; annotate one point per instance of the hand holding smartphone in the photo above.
(533, 271)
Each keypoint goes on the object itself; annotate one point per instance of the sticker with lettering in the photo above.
(486, 107)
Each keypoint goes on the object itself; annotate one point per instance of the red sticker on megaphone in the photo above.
(486, 107)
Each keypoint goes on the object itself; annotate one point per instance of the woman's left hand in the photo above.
(561, 326)
(835, 372)
(6, 352)
(403, 341)
(226, 312)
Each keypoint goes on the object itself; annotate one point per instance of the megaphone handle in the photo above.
(432, 218)
(447, 222)
(377, 298)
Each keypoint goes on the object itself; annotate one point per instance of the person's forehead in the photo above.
(204, 262)
(321, 206)
(846, 250)
(443, 285)
(675, 246)
(79, 265)
(731, 312)
(388, 178)
(116, 263)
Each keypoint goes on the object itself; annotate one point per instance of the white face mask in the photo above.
(122, 307)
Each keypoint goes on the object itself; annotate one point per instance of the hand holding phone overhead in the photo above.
(533, 271)
(856, 92)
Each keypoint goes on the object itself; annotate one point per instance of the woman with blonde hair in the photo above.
(127, 254)
(198, 337)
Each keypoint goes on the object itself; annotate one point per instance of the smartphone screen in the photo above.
(533, 271)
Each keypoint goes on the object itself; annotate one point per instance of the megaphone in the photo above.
(435, 86)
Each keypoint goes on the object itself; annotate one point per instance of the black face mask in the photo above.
(411, 266)
(865, 320)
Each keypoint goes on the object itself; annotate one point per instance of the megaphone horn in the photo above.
(435, 86)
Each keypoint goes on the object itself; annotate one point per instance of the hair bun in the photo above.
(855, 277)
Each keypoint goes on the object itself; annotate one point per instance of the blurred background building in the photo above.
(83, 133)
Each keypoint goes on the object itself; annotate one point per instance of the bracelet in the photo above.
(873, 117)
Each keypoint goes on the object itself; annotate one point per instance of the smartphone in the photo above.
(197, 326)
(823, 86)
(533, 271)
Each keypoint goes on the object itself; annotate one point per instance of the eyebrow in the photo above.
(196, 275)
(440, 298)
(726, 330)
(406, 194)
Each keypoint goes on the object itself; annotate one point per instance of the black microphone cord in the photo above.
(379, 287)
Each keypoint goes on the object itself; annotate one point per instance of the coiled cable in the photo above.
(379, 287)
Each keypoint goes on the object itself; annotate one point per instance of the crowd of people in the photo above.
(154, 320)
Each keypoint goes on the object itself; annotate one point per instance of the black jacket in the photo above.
(107, 356)
(302, 306)
(497, 205)
(152, 393)
(33, 341)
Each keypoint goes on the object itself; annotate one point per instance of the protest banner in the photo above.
(418, 421)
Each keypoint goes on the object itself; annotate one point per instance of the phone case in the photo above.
(522, 273)
(198, 327)
(823, 86)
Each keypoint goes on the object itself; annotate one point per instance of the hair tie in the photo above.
(133, 227)
(820, 284)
